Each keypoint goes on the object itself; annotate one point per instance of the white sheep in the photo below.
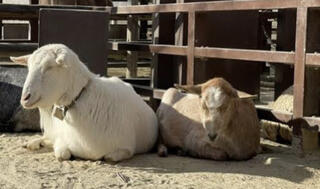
(82, 114)
(219, 125)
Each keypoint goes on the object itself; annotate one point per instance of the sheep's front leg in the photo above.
(36, 144)
(118, 155)
(61, 151)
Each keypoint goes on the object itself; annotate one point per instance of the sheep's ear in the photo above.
(189, 88)
(21, 60)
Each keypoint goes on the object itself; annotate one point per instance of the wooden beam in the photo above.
(244, 54)
(299, 78)
(216, 6)
(18, 47)
(159, 49)
(132, 35)
(300, 59)
(178, 41)
(191, 41)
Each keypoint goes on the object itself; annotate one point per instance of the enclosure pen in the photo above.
(298, 58)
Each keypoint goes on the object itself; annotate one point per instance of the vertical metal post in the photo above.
(299, 75)
(191, 40)
(132, 35)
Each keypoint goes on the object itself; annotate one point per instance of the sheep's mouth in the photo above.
(30, 105)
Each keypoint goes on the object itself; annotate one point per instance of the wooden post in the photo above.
(299, 75)
(191, 40)
(155, 40)
(1, 26)
(154, 62)
(132, 35)
(143, 23)
(34, 26)
(178, 40)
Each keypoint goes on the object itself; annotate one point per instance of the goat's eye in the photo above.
(47, 69)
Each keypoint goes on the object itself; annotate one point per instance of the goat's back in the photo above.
(179, 115)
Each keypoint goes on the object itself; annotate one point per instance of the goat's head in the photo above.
(48, 75)
(215, 96)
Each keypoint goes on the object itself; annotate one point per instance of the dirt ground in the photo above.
(280, 168)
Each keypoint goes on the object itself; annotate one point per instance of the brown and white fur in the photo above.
(216, 125)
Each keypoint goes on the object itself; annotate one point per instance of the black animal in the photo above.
(12, 116)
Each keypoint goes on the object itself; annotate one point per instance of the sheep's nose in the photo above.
(26, 97)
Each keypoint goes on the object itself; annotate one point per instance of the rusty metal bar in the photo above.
(191, 41)
(300, 59)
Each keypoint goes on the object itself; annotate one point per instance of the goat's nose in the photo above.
(212, 136)
(26, 97)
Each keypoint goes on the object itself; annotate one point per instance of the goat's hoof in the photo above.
(162, 151)
(32, 146)
(62, 155)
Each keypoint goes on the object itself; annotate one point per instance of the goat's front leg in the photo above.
(204, 149)
(36, 144)
(61, 150)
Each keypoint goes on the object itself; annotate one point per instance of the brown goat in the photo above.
(216, 125)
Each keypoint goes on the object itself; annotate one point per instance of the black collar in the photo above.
(61, 111)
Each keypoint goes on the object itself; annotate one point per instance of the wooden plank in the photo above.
(124, 64)
(313, 59)
(18, 47)
(300, 59)
(178, 41)
(132, 35)
(299, 78)
(32, 10)
(191, 41)
(160, 49)
(244, 54)
(216, 6)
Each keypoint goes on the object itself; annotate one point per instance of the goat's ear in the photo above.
(21, 60)
(189, 88)
(61, 58)
(245, 95)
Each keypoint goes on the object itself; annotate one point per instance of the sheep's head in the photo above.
(215, 96)
(47, 76)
